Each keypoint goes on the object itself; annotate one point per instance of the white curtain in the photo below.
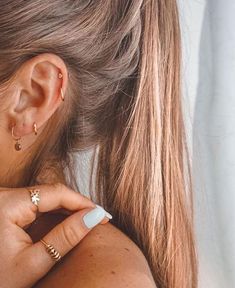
(209, 74)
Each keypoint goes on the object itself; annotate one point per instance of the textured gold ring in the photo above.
(55, 255)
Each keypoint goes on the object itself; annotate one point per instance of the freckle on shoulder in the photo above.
(115, 259)
(109, 245)
(106, 257)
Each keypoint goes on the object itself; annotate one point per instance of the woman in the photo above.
(93, 74)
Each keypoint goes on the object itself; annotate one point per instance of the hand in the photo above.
(22, 262)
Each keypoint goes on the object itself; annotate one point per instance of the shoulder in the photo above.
(106, 257)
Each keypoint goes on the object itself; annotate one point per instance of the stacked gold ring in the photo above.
(35, 198)
(55, 255)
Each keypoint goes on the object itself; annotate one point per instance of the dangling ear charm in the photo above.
(17, 144)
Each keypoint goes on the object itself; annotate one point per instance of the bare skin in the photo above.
(105, 257)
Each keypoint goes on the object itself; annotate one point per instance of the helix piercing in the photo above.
(18, 146)
(60, 75)
(62, 94)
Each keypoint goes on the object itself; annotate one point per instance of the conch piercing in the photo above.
(17, 144)
(61, 91)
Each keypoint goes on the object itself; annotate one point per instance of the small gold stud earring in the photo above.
(18, 146)
(35, 128)
(60, 75)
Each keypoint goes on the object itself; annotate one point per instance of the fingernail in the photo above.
(107, 214)
(93, 217)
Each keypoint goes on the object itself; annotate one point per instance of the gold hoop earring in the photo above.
(35, 128)
(62, 94)
(60, 75)
(18, 146)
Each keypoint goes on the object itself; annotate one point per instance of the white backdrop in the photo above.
(209, 76)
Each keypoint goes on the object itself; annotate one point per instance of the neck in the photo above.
(13, 174)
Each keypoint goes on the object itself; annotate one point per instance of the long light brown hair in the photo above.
(123, 99)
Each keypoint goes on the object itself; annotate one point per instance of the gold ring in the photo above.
(34, 194)
(55, 255)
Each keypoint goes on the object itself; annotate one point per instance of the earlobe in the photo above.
(41, 87)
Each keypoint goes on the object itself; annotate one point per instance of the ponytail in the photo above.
(141, 174)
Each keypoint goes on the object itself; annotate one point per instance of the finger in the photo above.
(68, 213)
(52, 196)
(64, 237)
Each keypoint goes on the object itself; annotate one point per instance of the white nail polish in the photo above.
(93, 217)
(107, 214)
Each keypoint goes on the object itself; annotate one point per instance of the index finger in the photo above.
(52, 196)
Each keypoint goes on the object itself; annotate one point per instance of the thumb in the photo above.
(64, 237)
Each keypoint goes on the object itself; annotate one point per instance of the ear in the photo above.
(37, 92)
